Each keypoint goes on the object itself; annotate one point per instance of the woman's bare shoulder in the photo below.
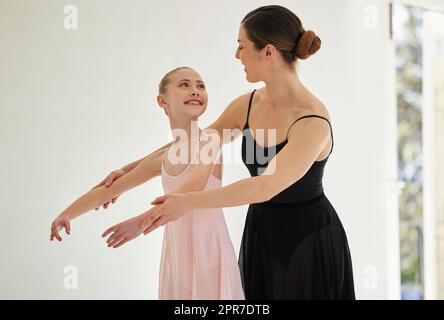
(236, 112)
(314, 106)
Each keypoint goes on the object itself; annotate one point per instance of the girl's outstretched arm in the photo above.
(145, 170)
(209, 156)
(116, 174)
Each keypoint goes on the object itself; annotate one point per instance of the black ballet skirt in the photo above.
(294, 245)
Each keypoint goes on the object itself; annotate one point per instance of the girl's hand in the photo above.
(123, 232)
(58, 224)
(116, 174)
(169, 207)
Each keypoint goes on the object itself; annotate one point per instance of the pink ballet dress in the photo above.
(198, 259)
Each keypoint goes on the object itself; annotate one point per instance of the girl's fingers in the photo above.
(153, 226)
(110, 238)
(68, 227)
(153, 216)
(116, 240)
(160, 222)
(148, 222)
(113, 236)
(56, 232)
(125, 240)
(108, 231)
(51, 237)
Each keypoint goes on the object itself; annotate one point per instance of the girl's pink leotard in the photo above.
(198, 260)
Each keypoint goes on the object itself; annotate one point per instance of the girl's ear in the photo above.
(162, 103)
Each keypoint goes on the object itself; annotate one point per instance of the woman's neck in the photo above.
(282, 86)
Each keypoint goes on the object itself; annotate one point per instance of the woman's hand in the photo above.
(124, 232)
(116, 174)
(168, 208)
(58, 224)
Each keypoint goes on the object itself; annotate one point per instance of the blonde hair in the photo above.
(166, 79)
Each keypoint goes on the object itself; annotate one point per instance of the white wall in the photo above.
(76, 104)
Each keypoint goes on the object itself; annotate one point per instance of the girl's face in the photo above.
(186, 96)
(251, 58)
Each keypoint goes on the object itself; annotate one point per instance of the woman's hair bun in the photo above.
(307, 45)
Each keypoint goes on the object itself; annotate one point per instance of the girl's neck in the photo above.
(185, 132)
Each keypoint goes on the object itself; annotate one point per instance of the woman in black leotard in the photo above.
(294, 245)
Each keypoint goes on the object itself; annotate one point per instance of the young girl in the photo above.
(198, 259)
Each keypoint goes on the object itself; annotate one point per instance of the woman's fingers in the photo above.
(164, 222)
(99, 184)
(113, 200)
(109, 180)
(113, 176)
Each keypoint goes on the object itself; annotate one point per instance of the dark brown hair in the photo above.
(280, 27)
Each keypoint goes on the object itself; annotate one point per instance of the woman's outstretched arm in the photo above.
(288, 166)
(145, 170)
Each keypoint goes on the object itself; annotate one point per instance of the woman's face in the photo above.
(186, 95)
(250, 57)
